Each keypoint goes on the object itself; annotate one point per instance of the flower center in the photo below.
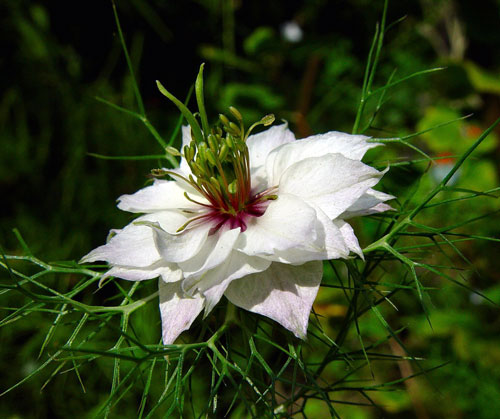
(254, 207)
(220, 167)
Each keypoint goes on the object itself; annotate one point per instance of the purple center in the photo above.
(255, 208)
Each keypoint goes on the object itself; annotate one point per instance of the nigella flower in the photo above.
(248, 217)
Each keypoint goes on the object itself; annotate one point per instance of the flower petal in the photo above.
(351, 146)
(177, 311)
(162, 195)
(329, 244)
(349, 237)
(133, 246)
(283, 293)
(260, 145)
(287, 222)
(331, 182)
(168, 272)
(371, 202)
(181, 246)
(216, 249)
(213, 283)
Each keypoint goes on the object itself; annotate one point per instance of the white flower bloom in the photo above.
(292, 32)
(259, 241)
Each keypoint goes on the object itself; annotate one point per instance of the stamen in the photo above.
(195, 202)
(220, 166)
(183, 227)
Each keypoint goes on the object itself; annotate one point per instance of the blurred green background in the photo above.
(303, 61)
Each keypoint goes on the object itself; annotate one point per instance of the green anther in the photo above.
(234, 128)
(202, 151)
(232, 188)
(223, 152)
(268, 120)
(219, 163)
(201, 161)
(196, 169)
(231, 132)
(230, 142)
(186, 153)
(191, 151)
(158, 172)
(215, 183)
(200, 182)
(202, 147)
(172, 151)
(239, 145)
(236, 113)
(223, 118)
(211, 157)
(212, 143)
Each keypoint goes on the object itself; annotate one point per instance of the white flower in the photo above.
(292, 32)
(261, 241)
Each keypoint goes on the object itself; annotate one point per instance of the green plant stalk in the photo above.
(386, 241)
(129, 62)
